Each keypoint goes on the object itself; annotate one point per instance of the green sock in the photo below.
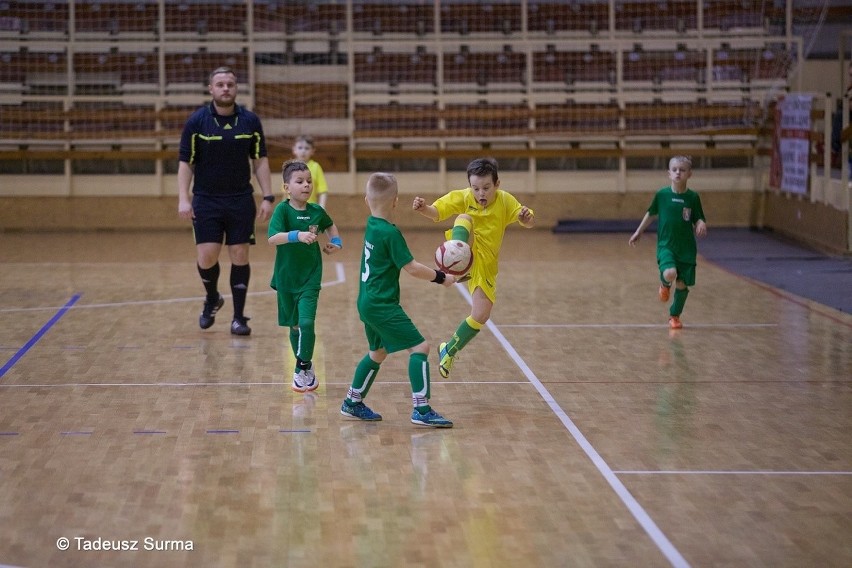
(418, 375)
(365, 374)
(294, 340)
(461, 337)
(307, 339)
(460, 233)
(679, 301)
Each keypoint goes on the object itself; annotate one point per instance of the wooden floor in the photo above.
(586, 433)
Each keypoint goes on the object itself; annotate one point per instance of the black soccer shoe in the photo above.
(239, 326)
(208, 314)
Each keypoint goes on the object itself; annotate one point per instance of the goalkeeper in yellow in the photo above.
(483, 211)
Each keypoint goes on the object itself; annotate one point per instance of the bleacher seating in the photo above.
(35, 17)
(306, 100)
(299, 17)
(751, 65)
(552, 17)
(480, 17)
(394, 68)
(396, 120)
(380, 18)
(482, 77)
(576, 118)
(690, 117)
(98, 120)
(663, 66)
(32, 121)
(569, 67)
(114, 18)
(192, 69)
(12, 68)
(495, 119)
(134, 70)
(214, 17)
(656, 15)
(733, 14)
(484, 68)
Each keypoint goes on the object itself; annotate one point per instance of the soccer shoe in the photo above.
(674, 323)
(359, 411)
(208, 314)
(445, 360)
(431, 418)
(312, 382)
(305, 381)
(664, 292)
(239, 326)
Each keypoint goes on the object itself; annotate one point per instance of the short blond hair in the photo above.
(381, 187)
(681, 160)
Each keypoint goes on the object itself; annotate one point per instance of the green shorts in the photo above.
(295, 306)
(393, 331)
(685, 271)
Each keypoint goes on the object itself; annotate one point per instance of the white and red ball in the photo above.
(454, 257)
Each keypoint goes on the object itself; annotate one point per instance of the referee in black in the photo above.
(221, 144)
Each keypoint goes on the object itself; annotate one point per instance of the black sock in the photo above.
(239, 287)
(210, 279)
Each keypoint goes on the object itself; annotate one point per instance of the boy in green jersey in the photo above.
(483, 212)
(387, 326)
(681, 219)
(297, 274)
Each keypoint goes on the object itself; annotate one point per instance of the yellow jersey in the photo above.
(489, 226)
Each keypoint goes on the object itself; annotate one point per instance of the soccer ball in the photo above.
(454, 257)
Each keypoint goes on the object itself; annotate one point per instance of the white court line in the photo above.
(651, 528)
(635, 325)
(237, 384)
(728, 472)
(340, 276)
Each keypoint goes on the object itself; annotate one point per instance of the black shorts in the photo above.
(228, 217)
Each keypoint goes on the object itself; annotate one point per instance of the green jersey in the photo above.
(298, 266)
(678, 213)
(385, 253)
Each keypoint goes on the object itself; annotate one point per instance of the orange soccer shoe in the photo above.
(664, 292)
(675, 323)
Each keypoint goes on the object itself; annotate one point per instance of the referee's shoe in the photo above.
(208, 314)
(239, 326)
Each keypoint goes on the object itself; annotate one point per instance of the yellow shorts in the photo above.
(483, 273)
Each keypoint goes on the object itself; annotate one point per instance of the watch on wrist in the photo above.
(269, 198)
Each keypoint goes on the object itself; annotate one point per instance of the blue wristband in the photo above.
(337, 242)
(293, 237)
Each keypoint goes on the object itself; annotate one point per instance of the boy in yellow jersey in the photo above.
(483, 211)
(303, 150)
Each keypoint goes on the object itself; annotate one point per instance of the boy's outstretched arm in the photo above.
(423, 272)
(646, 220)
(421, 207)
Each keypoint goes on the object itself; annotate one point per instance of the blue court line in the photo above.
(35, 338)
(294, 431)
(149, 431)
(223, 431)
(9, 434)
